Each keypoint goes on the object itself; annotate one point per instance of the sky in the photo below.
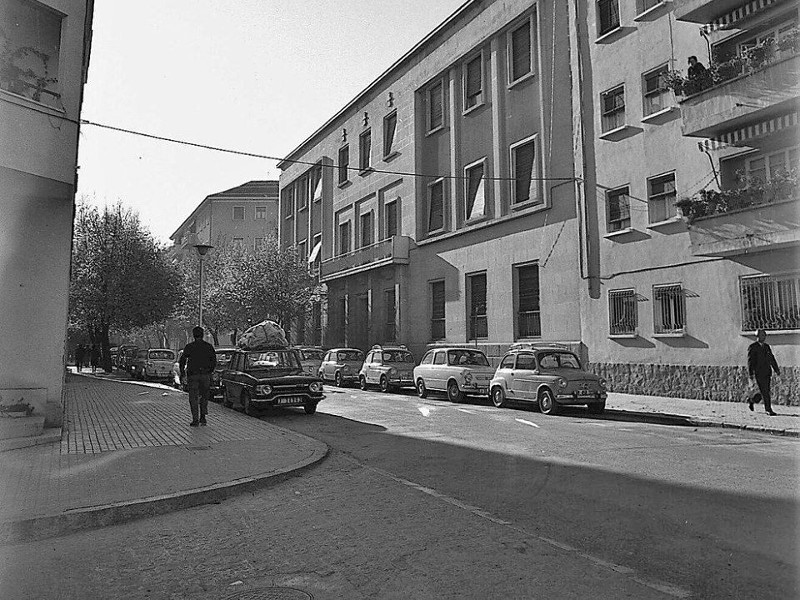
(252, 75)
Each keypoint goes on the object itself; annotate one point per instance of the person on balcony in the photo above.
(698, 75)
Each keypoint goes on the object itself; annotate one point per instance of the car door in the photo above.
(375, 367)
(524, 375)
(437, 374)
(423, 369)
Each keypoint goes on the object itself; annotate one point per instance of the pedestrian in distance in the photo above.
(196, 366)
(94, 357)
(79, 354)
(760, 364)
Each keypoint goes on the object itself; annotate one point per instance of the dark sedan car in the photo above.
(257, 379)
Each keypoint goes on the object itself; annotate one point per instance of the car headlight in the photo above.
(392, 371)
(264, 390)
(468, 378)
(603, 384)
(315, 387)
(562, 382)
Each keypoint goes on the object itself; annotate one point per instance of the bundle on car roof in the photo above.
(266, 335)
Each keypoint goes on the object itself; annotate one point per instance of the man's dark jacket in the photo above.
(200, 356)
(760, 361)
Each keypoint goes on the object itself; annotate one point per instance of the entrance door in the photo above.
(358, 322)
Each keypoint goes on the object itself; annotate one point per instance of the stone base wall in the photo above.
(701, 382)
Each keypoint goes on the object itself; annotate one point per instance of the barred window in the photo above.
(619, 209)
(478, 320)
(669, 309)
(770, 302)
(661, 197)
(623, 312)
(529, 323)
(437, 310)
(612, 104)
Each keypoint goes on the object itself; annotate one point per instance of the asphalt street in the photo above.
(428, 499)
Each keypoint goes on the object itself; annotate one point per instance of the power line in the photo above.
(303, 162)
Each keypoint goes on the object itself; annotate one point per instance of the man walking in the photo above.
(760, 364)
(201, 359)
(79, 353)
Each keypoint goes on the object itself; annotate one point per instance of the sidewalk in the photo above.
(127, 451)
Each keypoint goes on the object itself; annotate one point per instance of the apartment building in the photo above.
(440, 205)
(244, 215)
(682, 293)
(44, 55)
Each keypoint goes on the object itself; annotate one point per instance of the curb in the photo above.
(72, 521)
(48, 436)
(692, 421)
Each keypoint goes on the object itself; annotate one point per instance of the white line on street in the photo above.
(469, 412)
(527, 422)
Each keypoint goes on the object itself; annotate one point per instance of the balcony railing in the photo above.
(393, 250)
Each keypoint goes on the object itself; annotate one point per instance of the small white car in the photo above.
(389, 367)
(341, 365)
(460, 372)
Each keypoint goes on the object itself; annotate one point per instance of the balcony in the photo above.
(391, 251)
(747, 98)
(704, 11)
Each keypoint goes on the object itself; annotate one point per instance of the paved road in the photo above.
(425, 499)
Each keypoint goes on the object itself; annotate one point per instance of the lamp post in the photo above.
(202, 249)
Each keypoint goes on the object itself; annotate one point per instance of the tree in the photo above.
(121, 279)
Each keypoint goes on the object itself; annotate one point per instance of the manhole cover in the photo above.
(273, 593)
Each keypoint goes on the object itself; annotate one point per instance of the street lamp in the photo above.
(202, 249)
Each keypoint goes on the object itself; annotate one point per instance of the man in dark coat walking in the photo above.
(201, 359)
(79, 354)
(760, 364)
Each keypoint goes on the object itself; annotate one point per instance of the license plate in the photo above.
(483, 390)
(291, 400)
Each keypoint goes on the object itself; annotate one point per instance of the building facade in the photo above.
(245, 215)
(44, 54)
(681, 295)
(440, 204)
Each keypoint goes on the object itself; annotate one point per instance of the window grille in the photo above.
(623, 317)
(613, 107)
(436, 206)
(656, 93)
(344, 163)
(770, 302)
(619, 211)
(437, 310)
(607, 15)
(478, 321)
(529, 322)
(521, 51)
(435, 107)
(364, 149)
(389, 128)
(669, 306)
(661, 198)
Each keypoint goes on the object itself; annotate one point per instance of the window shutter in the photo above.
(474, 83)
(436, 106)
(436, 218)
(524, 163)
(521, 52)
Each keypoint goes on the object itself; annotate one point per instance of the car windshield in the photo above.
(273, 359)
(352, 355)
(162, 355)
(224, 357)
(467, 358)
(397, 356)
(312, 354)
(558, 360)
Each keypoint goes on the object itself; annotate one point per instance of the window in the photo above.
(435, 107)
(258, 244)
(520, 52)
(261, 212)
(607, 16)
(474, 191)
(612, 103)
(478, 321)
(436, 206)
(527, 362)
(32, 40)
(661, 198)
(287, 198)
(238, 242)
(473, 82)
(389, 128)
(437, 310)
(344, 164)
(623, 318)
(365, 223)
(193, 227)
(645, 5)
(238, 213)
(427, 359)
(301, 251)
(391, 219)
(656, 93)
(389, 330)
(507, 362)
(669, 309)
(767, 167)
(364, 149)
(619, 211)
(770, 302)
(440, 358)
(529, 323)
(344, 237)
(524, 171)
(302, 192)
(316, 184)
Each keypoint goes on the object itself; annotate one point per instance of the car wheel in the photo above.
(246, 405)
(453, 393)
(226, 398)
(547, 404)
(596, 408)
(498, 397)
(362, 382)
(384, 384)
(337, 379)
(422, 391)
(310, 408)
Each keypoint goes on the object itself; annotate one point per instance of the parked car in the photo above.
(390, 368)
(223, 360)
(341, 365)
(125, 355)
(460, 372)
(153, 363)
(112, 353)
(311, 358)
(258, 379)
(548, 375)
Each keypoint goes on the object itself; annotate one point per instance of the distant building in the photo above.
(44, 58)
(245, 215)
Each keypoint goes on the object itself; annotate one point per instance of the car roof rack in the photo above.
(537, 345)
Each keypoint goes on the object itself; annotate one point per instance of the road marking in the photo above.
(527, 422)
(469, 412)
(660, 586)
